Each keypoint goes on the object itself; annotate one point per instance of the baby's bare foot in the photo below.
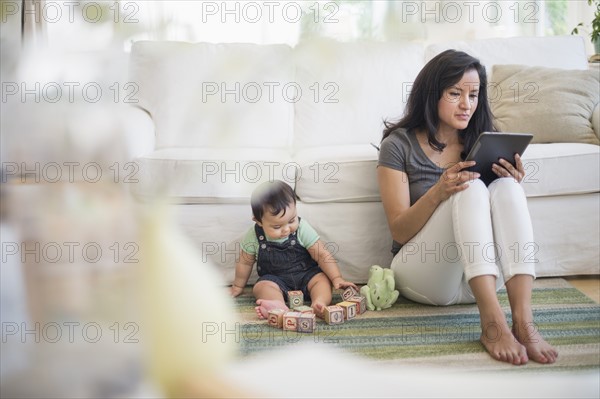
(265, 305)
(502, 345)
(537, 348)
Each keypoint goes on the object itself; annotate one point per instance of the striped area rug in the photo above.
(419, 335)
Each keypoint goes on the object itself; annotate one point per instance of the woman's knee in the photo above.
(477, 189)
(506, 190)
(506, 186)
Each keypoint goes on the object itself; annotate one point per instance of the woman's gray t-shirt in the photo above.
(401, 151)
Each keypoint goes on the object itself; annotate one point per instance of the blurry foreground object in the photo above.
(69, 313)
(72, 249)
(191, 321)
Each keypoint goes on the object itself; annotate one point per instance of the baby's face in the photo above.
(281, 225)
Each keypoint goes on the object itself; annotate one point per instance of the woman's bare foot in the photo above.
(318, 308)
(537, 348)
(265, 305)
(500, 343)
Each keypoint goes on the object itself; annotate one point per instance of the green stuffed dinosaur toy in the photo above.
(379, 291)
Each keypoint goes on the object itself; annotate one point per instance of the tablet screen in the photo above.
(490, 147)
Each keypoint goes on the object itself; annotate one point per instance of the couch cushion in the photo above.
(216, 95)
(556, 105)
(566, 52)
(349, 174)
(350, 88)
(210, 175)
(561, 169)
(345, 173)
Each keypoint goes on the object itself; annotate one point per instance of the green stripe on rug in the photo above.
(421, 334)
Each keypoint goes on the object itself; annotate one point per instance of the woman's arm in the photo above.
(406, 221)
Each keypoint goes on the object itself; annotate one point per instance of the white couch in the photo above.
(215, 120)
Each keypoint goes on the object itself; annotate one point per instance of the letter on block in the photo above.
(349, 309)
(349, 293)
(361, 303)
(295, 298)
(307, 322)
(304, 309)
(333, 314)
(276, 317)
(290, 321)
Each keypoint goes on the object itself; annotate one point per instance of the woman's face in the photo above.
(459, 102)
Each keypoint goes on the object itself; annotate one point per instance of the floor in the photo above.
(589, 285)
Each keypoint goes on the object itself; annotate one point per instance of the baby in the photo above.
(288, 252)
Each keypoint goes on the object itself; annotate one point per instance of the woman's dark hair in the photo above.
(443, 71)
(275, 196)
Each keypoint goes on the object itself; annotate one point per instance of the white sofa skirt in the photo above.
(566, 229)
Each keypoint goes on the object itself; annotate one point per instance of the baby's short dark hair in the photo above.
(275, 196)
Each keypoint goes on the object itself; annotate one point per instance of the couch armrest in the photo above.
(138, 130)
(596, 120)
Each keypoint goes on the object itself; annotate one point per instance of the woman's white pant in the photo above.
(479, 231)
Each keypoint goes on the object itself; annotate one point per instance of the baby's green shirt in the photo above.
(306, 235)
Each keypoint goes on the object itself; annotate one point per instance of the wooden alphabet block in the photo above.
(275, 318)
(349, 309)
(361, 303)
(307, 322)
(290, 321)
(295, 299)
(304, 309)
(333, 314)
(349, 293)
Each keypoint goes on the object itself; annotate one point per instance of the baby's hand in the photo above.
(339, 283)
(235, 290)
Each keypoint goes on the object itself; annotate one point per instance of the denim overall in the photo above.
(288, 264)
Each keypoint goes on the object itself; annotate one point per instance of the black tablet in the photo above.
(490, 147)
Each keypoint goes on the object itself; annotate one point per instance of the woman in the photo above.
(456, 240)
